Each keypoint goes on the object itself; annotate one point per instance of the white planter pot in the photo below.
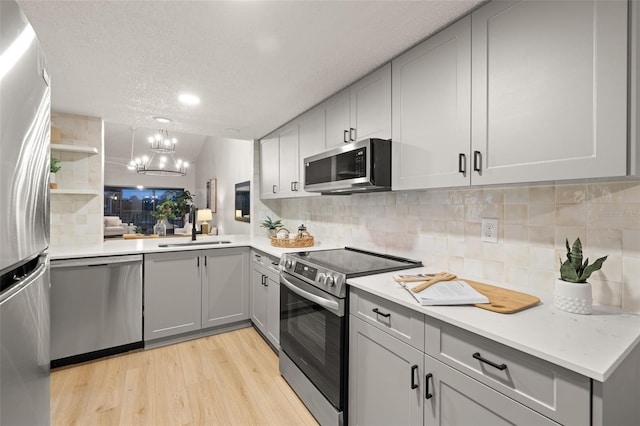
(52, 181)
(572, 297)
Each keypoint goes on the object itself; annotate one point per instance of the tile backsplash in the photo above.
(442, 228)
(76, 219)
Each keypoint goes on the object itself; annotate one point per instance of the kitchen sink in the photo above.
(194, 243)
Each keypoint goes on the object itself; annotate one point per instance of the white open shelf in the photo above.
(76, 192)
(73, 148)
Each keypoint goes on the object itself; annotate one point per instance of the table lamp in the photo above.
(204, 215)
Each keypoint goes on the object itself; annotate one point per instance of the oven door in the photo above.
(313, 335)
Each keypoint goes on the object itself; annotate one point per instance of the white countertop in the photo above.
(592, 345)
(151, 245)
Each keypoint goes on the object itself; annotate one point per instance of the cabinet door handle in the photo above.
(462, 164)
(264, 278)
(274, 188)
(491, 363)
(205, 261)
(427, 395)
(414, 368)
(387, 315)
(352, 134)
(477, 162)
(198, 261)
(345, 136)
(257, 257)
(296, 186)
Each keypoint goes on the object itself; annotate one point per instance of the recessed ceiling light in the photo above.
(232, 129)
(189, 99)
(162, 120)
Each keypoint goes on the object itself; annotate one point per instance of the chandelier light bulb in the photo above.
(158, 137)
(186, 164)
(161, 165)
(150, 139)
(163, 159)
(137, 160)
(145, 159)
(174, 140)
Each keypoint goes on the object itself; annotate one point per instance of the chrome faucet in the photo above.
(192, 219)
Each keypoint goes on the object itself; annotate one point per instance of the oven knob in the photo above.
(288, 264)
(321, 277)
(329, 281)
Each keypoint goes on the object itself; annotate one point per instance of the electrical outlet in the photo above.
(489, 230)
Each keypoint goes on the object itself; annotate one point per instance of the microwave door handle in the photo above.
(325, 303)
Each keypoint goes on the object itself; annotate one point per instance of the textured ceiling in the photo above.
(254, 64)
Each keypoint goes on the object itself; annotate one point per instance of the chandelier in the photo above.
(161, 160)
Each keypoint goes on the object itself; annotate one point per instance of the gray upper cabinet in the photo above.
(549, 90)
(171, 294)
(289, 162)
(361, 111)
(282, 154)
(432, 111)
(337, 119)
(225, 286)
(269, 166)
(371, 106)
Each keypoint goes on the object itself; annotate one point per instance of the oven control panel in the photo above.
(306, 271)
(320, 277)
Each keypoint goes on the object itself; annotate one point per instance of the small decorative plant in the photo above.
(271, 224)
(166, 210)
(54, 166)
(573, 270)
(183, 202)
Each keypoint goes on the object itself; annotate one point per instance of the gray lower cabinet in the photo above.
(453, 398)
(225, 286)
(172, 294)
(385, 378)
(454, 377)
(265, 296)
(192, 290)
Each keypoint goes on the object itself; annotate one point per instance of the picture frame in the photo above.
(212, 194)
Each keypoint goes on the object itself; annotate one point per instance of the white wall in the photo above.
(230, 161)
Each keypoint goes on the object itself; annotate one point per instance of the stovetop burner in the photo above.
(329, 269)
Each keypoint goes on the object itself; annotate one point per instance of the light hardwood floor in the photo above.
(227, 379)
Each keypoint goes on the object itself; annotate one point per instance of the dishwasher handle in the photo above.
(96, 261)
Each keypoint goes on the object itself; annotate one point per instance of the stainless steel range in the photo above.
(314, 323)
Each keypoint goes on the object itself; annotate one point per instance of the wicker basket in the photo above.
(303, 239)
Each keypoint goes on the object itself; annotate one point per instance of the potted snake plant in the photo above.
(572, 291)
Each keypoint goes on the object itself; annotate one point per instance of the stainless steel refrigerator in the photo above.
(24, 223)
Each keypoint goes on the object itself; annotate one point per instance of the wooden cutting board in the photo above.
(503, 301)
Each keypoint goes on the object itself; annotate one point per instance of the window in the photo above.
(134, 206)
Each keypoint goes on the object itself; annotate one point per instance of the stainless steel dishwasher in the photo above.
(96, 307)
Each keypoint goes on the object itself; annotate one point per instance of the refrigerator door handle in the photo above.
(25, 281)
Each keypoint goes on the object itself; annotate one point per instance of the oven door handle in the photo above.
(331, 305)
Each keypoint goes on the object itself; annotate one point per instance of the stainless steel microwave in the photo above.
(357, 167)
